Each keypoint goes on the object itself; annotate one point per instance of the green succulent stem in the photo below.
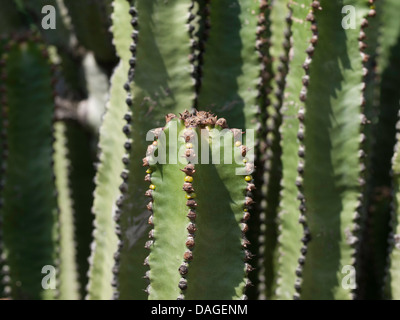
(68, 269)
(383, 131)
(160, 82)
(305, 188)
(194, 220)
(330, 137)
(107, 180)
(290, 230)
(91, 26)
(81, 172)
(231, 67)
(29, 211)
(393, 269)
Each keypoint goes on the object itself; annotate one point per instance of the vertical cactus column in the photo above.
(91, 23)
(199, 210)
(159, 82)
(231, 68)
(330, 141)
(29, 203)
(392, 280)
(79, 148)
(68, 281)
(234, 72)
(3, 135)
(278, 19)
(383, 129)
(369, 40)
(302, 41)
(110, 166)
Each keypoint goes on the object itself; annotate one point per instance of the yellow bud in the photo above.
(188, 179)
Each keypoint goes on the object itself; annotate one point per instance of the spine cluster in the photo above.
(191, 203)
(149, 193)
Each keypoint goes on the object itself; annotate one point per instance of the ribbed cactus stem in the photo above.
(68, 268)
(160, 80)
(29, 210)
(392, 277)
(108, 178)
(330, 174)
(200, 15)
(291, 235)
(91, 22)
(278, 21)
(367, 95)
(382, 141)
(198, 223)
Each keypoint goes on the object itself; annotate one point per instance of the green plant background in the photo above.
(78, 101)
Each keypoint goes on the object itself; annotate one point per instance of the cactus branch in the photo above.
(190, 227)
(161, 82)
(28, 77)
(290, 230)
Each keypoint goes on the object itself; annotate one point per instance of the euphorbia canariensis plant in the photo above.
(197, 149)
